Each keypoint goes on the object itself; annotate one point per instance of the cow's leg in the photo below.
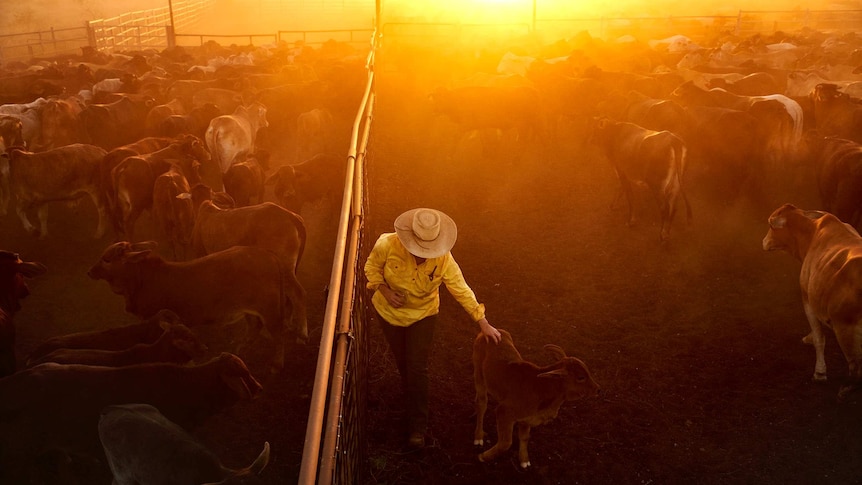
(21, 209)
(818, 340)
(42, 214)
(850, 339)
(481, 398)
(505, 426)
(103, 214)
(129, 219)
(627, 191)
(297, 296)
(523, 439)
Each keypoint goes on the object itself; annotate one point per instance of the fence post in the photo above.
(172, 38)
(91, 34)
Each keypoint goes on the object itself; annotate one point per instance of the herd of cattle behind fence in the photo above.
(137, 128)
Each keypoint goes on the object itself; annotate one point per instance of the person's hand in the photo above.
(394, 298)
(489, 331)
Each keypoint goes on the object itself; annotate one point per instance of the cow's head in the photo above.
(113, 265)
(790, 228)
(285, 188)
(13, 287)
(576, 378)
(235, 375)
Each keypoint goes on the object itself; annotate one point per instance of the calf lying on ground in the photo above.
(177, 344)
(527, 394)
(143, 446)
(118, 338)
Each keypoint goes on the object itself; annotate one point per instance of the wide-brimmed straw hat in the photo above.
(426, 233)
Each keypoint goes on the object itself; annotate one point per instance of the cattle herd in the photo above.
(193, 165)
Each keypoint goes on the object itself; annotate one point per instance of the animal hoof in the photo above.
(525, 465)
(481, 460)
(819, 377)
(478, 442)
(808, 340)
(844, 393)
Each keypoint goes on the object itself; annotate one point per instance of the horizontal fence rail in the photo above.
(150, 29)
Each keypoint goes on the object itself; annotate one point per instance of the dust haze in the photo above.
(265, 16)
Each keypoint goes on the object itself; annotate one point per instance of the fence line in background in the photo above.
(151, 28)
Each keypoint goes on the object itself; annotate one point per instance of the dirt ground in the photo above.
(696, 343)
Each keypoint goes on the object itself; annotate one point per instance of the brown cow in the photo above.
(112, 159)
(173, 216)
(11, 132)
(117, 123)
(656, 158)
(61, 174)
(838, 169)
(223, 287)
(526, 393)
(135, 177)
(314, 130)
(320, 177)
(836, 113)
(60, 125)
(491, 108)
(12, 289)
(830, 278)
(265, 226)
(245, 180)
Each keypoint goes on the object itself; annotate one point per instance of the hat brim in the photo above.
(426, 249)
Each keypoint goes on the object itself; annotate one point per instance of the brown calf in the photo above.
(526, 393)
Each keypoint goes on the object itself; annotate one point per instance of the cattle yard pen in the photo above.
(334, 443)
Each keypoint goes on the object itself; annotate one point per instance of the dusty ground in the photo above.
(696, 344)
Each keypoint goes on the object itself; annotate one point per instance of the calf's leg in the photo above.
(818, 340)
(505, 427)
(523, 439)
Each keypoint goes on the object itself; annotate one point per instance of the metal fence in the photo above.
(335, 447)
(137, 30)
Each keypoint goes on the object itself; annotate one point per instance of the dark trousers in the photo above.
(411, 347)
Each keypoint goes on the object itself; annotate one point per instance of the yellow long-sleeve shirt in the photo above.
(391, 263)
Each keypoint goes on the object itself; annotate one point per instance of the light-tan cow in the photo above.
(830, 278)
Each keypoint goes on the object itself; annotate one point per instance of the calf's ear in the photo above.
(31, 270)
(777, 222)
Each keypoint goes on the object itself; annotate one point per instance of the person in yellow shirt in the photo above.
(405, 270)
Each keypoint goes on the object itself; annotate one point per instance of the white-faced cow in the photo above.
(228, 136)
(830, 278)
(639, 155)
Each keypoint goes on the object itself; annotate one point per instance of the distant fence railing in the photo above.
(151, 29)
(130, 31)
